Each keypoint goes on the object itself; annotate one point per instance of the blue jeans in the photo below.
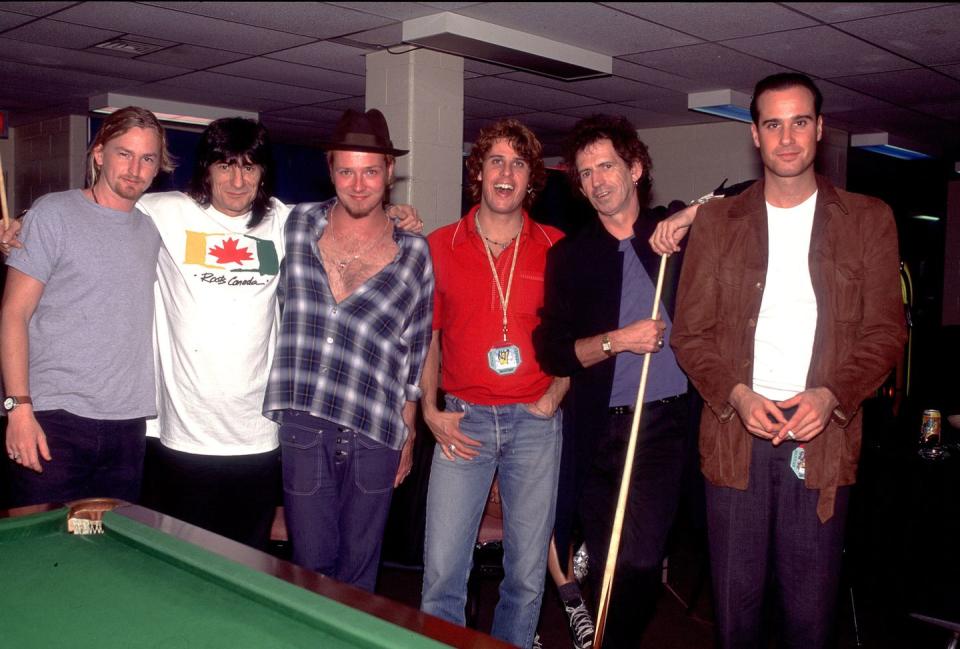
(92, 458)
(337, 486)
(523, 449)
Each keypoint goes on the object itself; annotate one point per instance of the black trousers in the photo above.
(770, 535)
(235, 496)
(666, 433)
(92, 458)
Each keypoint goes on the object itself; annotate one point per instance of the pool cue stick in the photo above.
(3, 200)
(608, 571)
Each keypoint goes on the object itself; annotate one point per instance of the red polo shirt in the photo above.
(468, 314)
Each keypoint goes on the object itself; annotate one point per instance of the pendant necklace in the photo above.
(343, 264)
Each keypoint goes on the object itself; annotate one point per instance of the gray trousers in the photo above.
(768, 539)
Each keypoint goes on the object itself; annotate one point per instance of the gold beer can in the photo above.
(930, 428)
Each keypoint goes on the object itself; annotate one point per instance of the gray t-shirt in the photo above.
(91, 352)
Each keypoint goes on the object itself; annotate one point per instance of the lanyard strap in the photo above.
(504, 299)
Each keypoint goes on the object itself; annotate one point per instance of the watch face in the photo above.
(9, 403)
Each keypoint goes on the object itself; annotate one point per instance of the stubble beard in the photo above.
(360, 212)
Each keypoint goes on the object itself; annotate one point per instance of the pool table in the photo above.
(153, 581)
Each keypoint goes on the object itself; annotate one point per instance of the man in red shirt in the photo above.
(501, 412)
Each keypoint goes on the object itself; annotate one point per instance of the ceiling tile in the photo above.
(834, 12)
(949, 110)
(61, 34)
(952, 70)
(485, 109)
(300, 133)
(315, 19)
(448, 6)
(673, 104)
(95, 63)
(69, 80)
(623, 68)
(356, 103)
(145, 20)
(541, 122)
(604, 89)
(267, 59)
(584, 24)
(822, 51)
(332, 56)
(901, 121)
(904, 86)
(837, 99)
(522, 94)
(483, 68)
(641, 117)
(720, 66)
(254, 88)
(927, 36)
(383, 36)
(394, 10)
(36, 8)
(212, 95)
(192, 57)
(9, 20)
(716, 21)
(295, 74)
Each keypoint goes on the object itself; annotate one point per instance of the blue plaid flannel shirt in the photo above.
(355, 363)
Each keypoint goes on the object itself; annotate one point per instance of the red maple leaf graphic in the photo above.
(229, 253)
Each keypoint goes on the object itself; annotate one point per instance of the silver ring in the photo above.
(790, 435)
(660, 343)
(453, 448)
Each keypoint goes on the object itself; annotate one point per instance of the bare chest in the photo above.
(347, 271)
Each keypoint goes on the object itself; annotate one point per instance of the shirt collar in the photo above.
(467, 227)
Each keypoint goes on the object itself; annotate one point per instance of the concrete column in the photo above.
(421, 94)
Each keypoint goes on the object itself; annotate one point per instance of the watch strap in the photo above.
(605, 345)
(17, 401)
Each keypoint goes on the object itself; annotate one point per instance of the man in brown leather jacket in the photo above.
(788, 317)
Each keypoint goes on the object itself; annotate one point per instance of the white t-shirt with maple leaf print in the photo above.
(215, 326)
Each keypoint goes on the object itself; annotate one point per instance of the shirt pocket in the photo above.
(729, 289)
(526, 297)
(376, 466)
(848, 295)
(302, 459)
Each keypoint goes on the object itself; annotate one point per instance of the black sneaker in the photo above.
(581, 625)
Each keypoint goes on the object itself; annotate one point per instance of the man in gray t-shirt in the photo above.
(75, 325)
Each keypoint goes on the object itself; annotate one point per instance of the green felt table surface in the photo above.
(134, 586)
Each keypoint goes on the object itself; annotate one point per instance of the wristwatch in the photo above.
(606, 346)
(10, 403)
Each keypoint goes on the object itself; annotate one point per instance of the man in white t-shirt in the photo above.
(788, 317)
(212, 457)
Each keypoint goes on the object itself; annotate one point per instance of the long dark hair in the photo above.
(624, 138)
(241, 140)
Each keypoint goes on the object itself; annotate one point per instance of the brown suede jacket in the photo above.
(860, 332)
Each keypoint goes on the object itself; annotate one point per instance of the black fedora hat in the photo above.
(366, 132)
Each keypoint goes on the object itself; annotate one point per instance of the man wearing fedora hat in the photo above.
(356, 296)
